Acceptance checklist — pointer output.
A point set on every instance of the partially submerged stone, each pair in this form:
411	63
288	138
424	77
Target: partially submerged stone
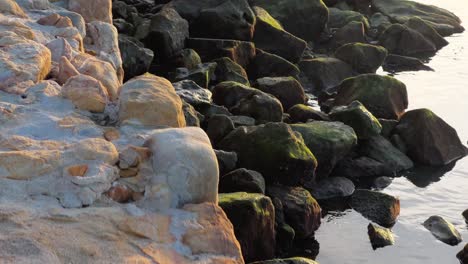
380	237
378	207
332	188
443	230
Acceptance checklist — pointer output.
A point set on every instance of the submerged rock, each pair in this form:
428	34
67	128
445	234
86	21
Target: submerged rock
397	63
253	218
379	207
380	237
429	139
463	255
443	230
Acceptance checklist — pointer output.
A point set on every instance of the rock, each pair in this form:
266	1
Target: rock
99	10
402	11
303	113
325	73
218	126
243	100
256	235
187	58
151	94
242	180
332	188
380	237
397	63
382	182
240	52
120	193
427	31
212	109
443	230
217	19
167	33
329	141
227	161
192	117
359	118
242	121
364	58
191	93
359	168
271	37
379	23
380	208
301	211
401	40
465	215
381	150
462	255
287	89
339	18
384	96
274	150
202	74
12	8
429	139
135	57
86	93
305	19
350	33
295	260
182	175
388	125
228	70
265	64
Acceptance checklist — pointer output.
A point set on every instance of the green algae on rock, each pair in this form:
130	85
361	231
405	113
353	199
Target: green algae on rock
364	58
355	115
380	237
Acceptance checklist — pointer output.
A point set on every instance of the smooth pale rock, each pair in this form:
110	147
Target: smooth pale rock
26	165
99	10
429	139
443	230
185	169
253	217
152	101
66	70
93	149
380	237
12	8
86	93
379	207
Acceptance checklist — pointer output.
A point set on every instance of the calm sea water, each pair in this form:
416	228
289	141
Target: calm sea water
343	236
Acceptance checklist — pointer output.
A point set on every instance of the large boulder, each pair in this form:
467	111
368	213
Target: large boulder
271	37
86	93
187	173
429	139
303	18
228	70
253	218
136	58
274	150
359	118
100	10
265	64
287	89
151	101
325	73
427	31
402	40
397	63
329	141
352	32
301	210
384	96
378	207
332	188
364	58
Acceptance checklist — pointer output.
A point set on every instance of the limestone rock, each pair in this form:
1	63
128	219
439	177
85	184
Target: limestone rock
86	93
99	10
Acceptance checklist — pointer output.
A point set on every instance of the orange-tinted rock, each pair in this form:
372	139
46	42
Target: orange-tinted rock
77	170
120	194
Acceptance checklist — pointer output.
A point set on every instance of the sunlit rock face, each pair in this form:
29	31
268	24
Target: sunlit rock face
68	171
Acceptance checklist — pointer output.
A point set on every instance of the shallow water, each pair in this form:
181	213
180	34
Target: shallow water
343	236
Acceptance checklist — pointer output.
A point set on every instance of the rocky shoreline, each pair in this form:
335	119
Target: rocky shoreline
210	131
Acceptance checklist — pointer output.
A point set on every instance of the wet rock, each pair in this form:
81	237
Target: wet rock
339	18
242	180
180	176
274	150
429	139
253	218
359	118
303	113
402	11
190	92
295	260
265	64
359	168
305	19
301	211
427	31
329	141
382	182
271	37
463	255
388	125
465	215
401	40
325	73
379	23
86	93
364	58
378	207
397	63
167	33
228	70
135	57
332	187
384	96
287	89
443	230
350	33
380	237
151	93
240	52
218	126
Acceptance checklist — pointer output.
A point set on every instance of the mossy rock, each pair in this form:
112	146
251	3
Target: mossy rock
380	237
429	139
378	207
274	150
287	89
329	141
339	18
301	113
325	73
427	31
384	96
402	40
265	17
228	70
253	218
364	58
355	115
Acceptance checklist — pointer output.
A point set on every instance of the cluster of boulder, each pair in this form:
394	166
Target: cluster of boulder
214	156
